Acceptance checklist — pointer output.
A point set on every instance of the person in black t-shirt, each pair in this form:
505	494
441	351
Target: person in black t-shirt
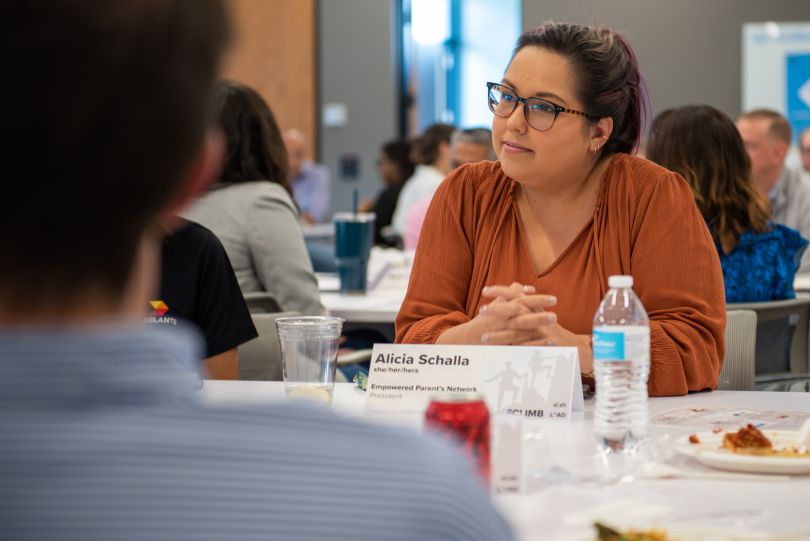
197	284
395	167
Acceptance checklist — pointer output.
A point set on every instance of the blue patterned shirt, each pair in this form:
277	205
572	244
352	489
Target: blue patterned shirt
102	437
763	265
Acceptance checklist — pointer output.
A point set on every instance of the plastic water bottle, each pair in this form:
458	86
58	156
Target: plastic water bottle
621	360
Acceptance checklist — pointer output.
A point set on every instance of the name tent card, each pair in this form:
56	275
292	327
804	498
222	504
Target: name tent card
531	382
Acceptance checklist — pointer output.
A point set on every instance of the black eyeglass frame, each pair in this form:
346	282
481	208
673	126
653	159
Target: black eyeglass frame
557	108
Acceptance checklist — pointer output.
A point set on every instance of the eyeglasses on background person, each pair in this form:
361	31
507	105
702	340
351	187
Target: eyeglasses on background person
540	113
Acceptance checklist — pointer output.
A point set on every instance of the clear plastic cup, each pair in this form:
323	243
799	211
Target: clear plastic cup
309	355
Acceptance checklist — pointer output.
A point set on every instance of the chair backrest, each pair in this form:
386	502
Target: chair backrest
782	338
261	302
260	359
738	366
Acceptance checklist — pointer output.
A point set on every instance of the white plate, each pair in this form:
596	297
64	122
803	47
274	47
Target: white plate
710	452
686	533
709	533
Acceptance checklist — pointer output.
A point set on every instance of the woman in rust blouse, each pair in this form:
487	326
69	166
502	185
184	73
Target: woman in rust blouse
518	251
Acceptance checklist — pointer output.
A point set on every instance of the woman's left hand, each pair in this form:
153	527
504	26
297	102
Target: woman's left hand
534	325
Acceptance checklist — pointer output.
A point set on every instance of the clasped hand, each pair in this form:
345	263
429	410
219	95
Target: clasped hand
517	315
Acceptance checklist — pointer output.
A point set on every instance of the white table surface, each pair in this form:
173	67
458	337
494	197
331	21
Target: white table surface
381	304
388	272
370	308
318	231
552	511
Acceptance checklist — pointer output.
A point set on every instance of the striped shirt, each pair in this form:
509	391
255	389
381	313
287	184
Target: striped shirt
102	437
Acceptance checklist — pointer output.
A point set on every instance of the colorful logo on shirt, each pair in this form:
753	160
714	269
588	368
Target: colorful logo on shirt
158	315
159	308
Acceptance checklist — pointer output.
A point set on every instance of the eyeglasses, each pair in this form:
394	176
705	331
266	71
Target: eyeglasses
540	114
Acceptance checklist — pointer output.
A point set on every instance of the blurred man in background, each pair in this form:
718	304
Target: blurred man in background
804	150
767	136
309	180
471	145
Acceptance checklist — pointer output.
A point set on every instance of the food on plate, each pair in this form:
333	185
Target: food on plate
748	440
606	533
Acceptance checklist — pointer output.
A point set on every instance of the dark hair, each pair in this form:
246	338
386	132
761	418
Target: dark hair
779	126
105	107
703	145
426	146
399	152
609	82
255	147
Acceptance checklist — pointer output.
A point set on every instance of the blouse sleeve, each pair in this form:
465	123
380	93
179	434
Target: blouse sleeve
679	280
437	297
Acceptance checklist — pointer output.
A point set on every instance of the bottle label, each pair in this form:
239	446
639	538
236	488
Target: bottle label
608	346
625	343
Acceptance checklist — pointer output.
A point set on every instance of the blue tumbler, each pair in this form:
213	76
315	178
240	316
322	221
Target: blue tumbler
354	236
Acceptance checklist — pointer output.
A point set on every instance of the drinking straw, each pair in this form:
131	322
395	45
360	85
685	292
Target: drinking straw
355	196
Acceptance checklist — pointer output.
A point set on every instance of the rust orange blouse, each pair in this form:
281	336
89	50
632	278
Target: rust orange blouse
645	224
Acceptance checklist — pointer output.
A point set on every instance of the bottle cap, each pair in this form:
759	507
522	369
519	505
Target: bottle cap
620	281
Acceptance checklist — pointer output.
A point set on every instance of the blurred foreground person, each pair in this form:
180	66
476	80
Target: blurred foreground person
103	433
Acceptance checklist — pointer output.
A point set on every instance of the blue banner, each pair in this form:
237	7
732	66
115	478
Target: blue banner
798	92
